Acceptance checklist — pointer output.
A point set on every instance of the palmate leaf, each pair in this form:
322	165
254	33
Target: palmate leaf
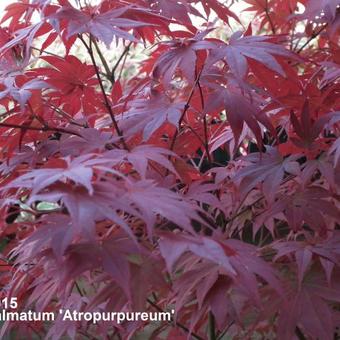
322	12
298	205
182	55
332	73
89	141
73	82
305	252
268	168
148	115
104	26
240	110
222	11
174	9
107	200
141	156
236	258
309	308
262	49
308	129
212	268
78	170
335	149
279	11
23	35
9	62
85	210
113	256
324	166
181	10
54	232
21	94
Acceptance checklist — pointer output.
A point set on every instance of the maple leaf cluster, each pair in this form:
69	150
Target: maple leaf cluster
206	182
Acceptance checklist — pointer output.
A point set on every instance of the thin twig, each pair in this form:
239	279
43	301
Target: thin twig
64	114
173	322
186	108
103	60
211	327
114	68
224	332
269	18
42	129
78	288
205	124
106	100
312	37
239	213
194	132
299	333
44	51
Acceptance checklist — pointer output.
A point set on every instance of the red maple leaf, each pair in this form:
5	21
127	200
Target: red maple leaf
262	49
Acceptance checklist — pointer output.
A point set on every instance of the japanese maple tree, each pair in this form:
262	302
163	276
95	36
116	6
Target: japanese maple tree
181	155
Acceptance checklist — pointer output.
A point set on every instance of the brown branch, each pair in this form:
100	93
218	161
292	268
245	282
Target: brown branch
108	74
212	327
44	51
64	114
106	100
114	69
205	123
194	132
42	129
186	108
269	18
312	37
